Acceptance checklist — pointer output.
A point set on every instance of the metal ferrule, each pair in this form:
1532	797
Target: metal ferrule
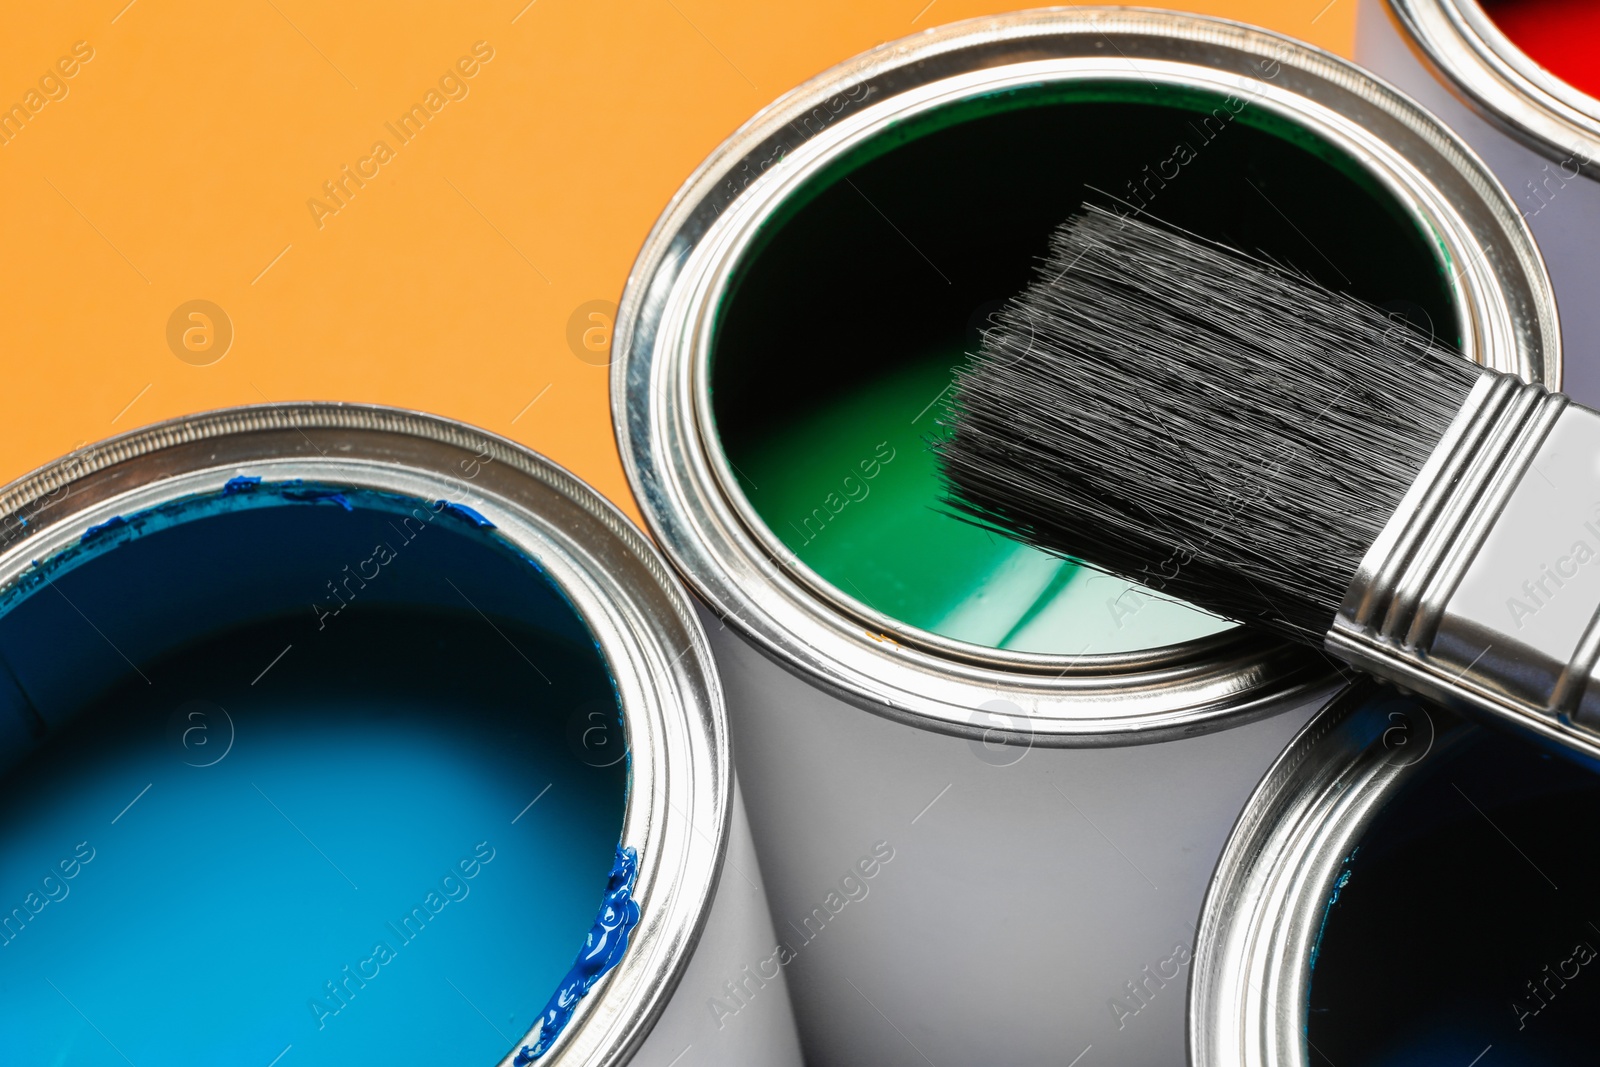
1483	590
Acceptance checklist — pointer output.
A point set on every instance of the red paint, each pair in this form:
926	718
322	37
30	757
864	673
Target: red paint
1562	36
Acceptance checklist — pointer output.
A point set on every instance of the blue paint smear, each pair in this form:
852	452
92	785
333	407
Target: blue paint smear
240	484
1338	887
116	522
602	950
464	512
313	495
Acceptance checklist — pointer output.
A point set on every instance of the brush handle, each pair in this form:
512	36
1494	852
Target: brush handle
1483	590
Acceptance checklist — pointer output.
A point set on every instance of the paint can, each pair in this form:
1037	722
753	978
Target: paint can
337	645
989	789
1538	133
1392	835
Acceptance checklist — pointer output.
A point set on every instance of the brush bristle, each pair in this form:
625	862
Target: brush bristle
1205	424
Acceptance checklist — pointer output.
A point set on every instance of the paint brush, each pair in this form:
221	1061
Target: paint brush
1229	433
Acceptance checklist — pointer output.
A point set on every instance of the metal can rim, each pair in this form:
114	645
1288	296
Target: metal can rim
1462	42
1251	980
679	802
662	330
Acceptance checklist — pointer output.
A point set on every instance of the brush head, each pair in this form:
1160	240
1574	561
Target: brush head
1206	424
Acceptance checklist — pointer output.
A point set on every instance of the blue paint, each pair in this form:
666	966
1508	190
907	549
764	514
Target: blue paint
602	950
1344	880
246	493
1455	938
1333	898
197	924
462	511
116	522
312	494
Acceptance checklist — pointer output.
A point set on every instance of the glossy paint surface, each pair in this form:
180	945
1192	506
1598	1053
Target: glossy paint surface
337	823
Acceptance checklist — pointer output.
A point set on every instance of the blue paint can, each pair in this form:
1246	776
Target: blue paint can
1393	836
333	733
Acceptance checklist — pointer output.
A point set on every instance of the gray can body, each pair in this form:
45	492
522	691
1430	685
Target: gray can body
738	935
1040	904
1550	172
975	854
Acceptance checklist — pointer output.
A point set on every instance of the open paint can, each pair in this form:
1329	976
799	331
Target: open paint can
340	734
1404	888
1518	80
988	786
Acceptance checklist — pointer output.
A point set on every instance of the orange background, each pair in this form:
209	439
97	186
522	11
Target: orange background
179	164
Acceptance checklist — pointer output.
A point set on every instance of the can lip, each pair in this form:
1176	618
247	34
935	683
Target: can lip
661	344
1507	85
1250	987
679	803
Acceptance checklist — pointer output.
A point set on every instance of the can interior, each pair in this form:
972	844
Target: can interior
1559	35
1463	919
266	764
838	334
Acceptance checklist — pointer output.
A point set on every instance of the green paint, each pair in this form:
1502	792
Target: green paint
846	316
853	491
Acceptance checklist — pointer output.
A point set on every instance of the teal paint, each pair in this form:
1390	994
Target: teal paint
257	832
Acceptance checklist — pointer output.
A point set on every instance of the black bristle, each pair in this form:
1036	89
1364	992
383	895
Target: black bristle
1203	423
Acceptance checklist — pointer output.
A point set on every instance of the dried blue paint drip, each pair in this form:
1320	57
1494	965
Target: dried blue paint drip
291	490
464	512
602	950
295	490
239	493
1338	887
113	523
